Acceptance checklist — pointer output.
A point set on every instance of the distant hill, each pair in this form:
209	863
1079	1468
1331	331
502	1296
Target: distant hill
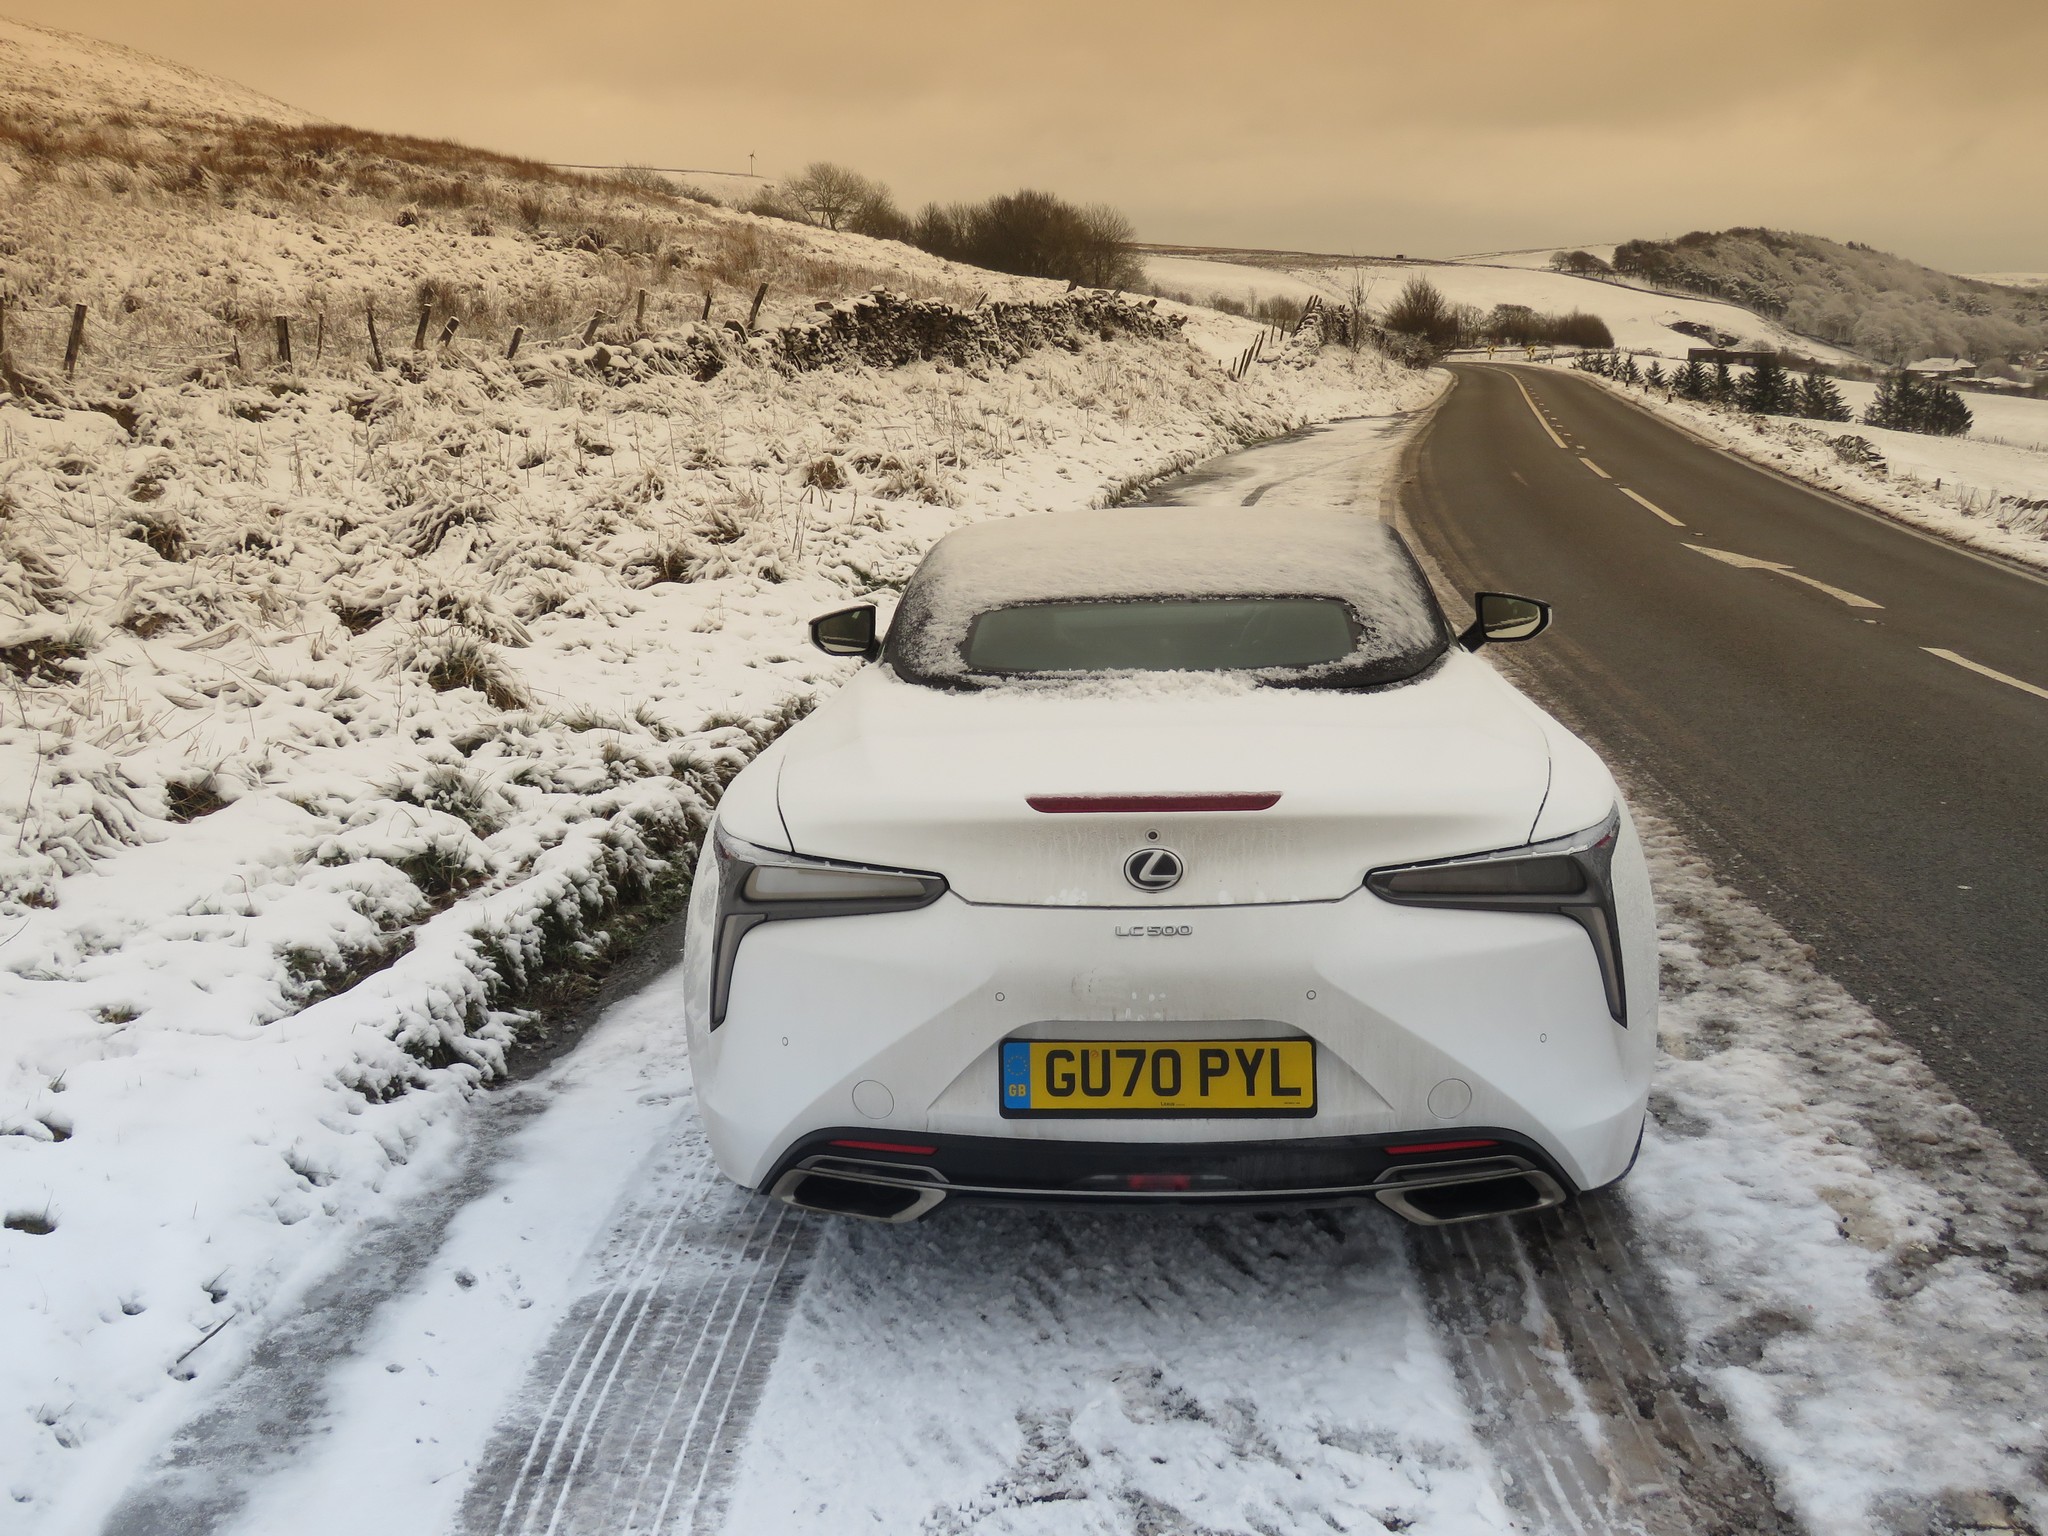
1879	304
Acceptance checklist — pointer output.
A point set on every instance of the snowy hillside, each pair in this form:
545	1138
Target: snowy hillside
49	77
1640	320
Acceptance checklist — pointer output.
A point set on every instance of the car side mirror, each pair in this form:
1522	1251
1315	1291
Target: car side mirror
847	632
1501	616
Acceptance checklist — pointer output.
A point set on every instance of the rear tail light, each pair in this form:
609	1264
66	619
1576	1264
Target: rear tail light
1569	876
761	885
1437	1146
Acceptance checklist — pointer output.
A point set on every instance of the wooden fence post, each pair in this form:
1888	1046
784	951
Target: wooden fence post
640	311
518	335
76	340
284	340
754	314
320	336
590	330
448	330
419	337
707	305
376	347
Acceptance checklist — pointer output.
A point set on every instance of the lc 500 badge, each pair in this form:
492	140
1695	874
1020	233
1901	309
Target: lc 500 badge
1165	932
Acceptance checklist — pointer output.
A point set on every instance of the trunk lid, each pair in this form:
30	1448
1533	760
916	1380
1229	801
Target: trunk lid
896	774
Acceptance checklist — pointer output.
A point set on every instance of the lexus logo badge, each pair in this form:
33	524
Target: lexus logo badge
1154	869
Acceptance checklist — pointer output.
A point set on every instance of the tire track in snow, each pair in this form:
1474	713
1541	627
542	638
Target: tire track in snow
1570	1359
635	1408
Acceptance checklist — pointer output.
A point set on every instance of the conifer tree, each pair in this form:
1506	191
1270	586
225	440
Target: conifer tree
1897	404
1654	376
1627	372
1691	382
1723	387
1942	411
1819	400
1766	390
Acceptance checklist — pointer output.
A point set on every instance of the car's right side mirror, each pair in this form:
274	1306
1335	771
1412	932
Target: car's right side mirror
1501	616
847	632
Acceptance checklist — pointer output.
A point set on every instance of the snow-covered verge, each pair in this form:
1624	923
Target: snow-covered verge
341	715
1991	495
1861	1264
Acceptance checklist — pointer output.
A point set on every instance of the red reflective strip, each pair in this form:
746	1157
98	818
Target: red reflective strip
1072	805
1159	1181
887	1146
1440	1146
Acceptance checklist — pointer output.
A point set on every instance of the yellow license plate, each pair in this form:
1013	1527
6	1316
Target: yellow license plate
1159	1077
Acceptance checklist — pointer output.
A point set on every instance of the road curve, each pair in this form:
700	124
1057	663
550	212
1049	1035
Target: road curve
1850	717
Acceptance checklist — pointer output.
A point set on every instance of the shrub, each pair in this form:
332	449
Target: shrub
1035	234
1420	310
462	660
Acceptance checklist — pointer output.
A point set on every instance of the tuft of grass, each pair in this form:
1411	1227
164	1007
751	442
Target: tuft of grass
190	798
158	527
462	660
48	658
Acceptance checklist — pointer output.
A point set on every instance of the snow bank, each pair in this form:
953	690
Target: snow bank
339	715
1988	489
1859	1261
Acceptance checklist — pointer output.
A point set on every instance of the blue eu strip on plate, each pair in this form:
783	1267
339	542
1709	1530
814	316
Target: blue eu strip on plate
1016	1074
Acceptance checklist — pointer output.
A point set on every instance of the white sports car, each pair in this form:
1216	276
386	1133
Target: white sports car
1173	855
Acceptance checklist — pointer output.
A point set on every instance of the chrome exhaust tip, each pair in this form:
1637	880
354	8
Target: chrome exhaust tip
841	1191
1438	1197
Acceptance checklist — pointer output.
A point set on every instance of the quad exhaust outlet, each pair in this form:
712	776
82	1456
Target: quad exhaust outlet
1433	1195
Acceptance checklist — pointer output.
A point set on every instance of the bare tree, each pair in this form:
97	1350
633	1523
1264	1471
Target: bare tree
831	194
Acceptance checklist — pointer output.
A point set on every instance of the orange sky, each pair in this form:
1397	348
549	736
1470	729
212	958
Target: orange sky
1432	127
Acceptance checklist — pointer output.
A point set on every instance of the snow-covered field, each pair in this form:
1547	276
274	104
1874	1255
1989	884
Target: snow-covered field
1639	319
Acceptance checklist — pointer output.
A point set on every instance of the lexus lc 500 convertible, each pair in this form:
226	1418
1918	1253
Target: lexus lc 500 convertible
1173	855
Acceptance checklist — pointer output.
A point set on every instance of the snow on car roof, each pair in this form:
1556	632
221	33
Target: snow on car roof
1173	552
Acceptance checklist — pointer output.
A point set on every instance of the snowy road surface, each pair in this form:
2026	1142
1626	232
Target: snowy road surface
1778	1325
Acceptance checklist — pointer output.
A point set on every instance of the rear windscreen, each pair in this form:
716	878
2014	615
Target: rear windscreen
1217	634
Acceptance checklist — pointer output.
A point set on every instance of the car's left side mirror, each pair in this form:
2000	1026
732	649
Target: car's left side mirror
1501	616
847	632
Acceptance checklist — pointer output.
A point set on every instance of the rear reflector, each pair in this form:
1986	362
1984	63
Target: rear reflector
1075	805
1428	1146
1159	1182
889	1146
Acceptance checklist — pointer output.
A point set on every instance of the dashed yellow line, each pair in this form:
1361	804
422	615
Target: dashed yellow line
1644	501
1991	672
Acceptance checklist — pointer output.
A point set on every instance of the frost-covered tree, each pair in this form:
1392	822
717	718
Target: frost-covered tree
1654	377
1692	382
1628	372
1721	389
1820	400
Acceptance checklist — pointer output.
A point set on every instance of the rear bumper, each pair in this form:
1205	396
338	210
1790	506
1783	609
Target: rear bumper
1467	1174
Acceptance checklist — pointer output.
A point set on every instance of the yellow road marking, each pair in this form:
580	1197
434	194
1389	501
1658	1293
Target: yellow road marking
1750	562
1991	672
1595	468
1533	411
1645	501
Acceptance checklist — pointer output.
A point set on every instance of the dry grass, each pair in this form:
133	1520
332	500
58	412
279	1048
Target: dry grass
186	240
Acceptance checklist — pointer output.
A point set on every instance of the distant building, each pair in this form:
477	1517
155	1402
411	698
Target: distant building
1712	355
1942	368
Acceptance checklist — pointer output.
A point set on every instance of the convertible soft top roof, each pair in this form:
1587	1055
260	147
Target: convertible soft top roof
1174	552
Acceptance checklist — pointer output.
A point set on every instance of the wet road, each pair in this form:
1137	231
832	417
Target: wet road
1850	717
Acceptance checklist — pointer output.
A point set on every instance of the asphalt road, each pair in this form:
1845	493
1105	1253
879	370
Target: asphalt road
1800	682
